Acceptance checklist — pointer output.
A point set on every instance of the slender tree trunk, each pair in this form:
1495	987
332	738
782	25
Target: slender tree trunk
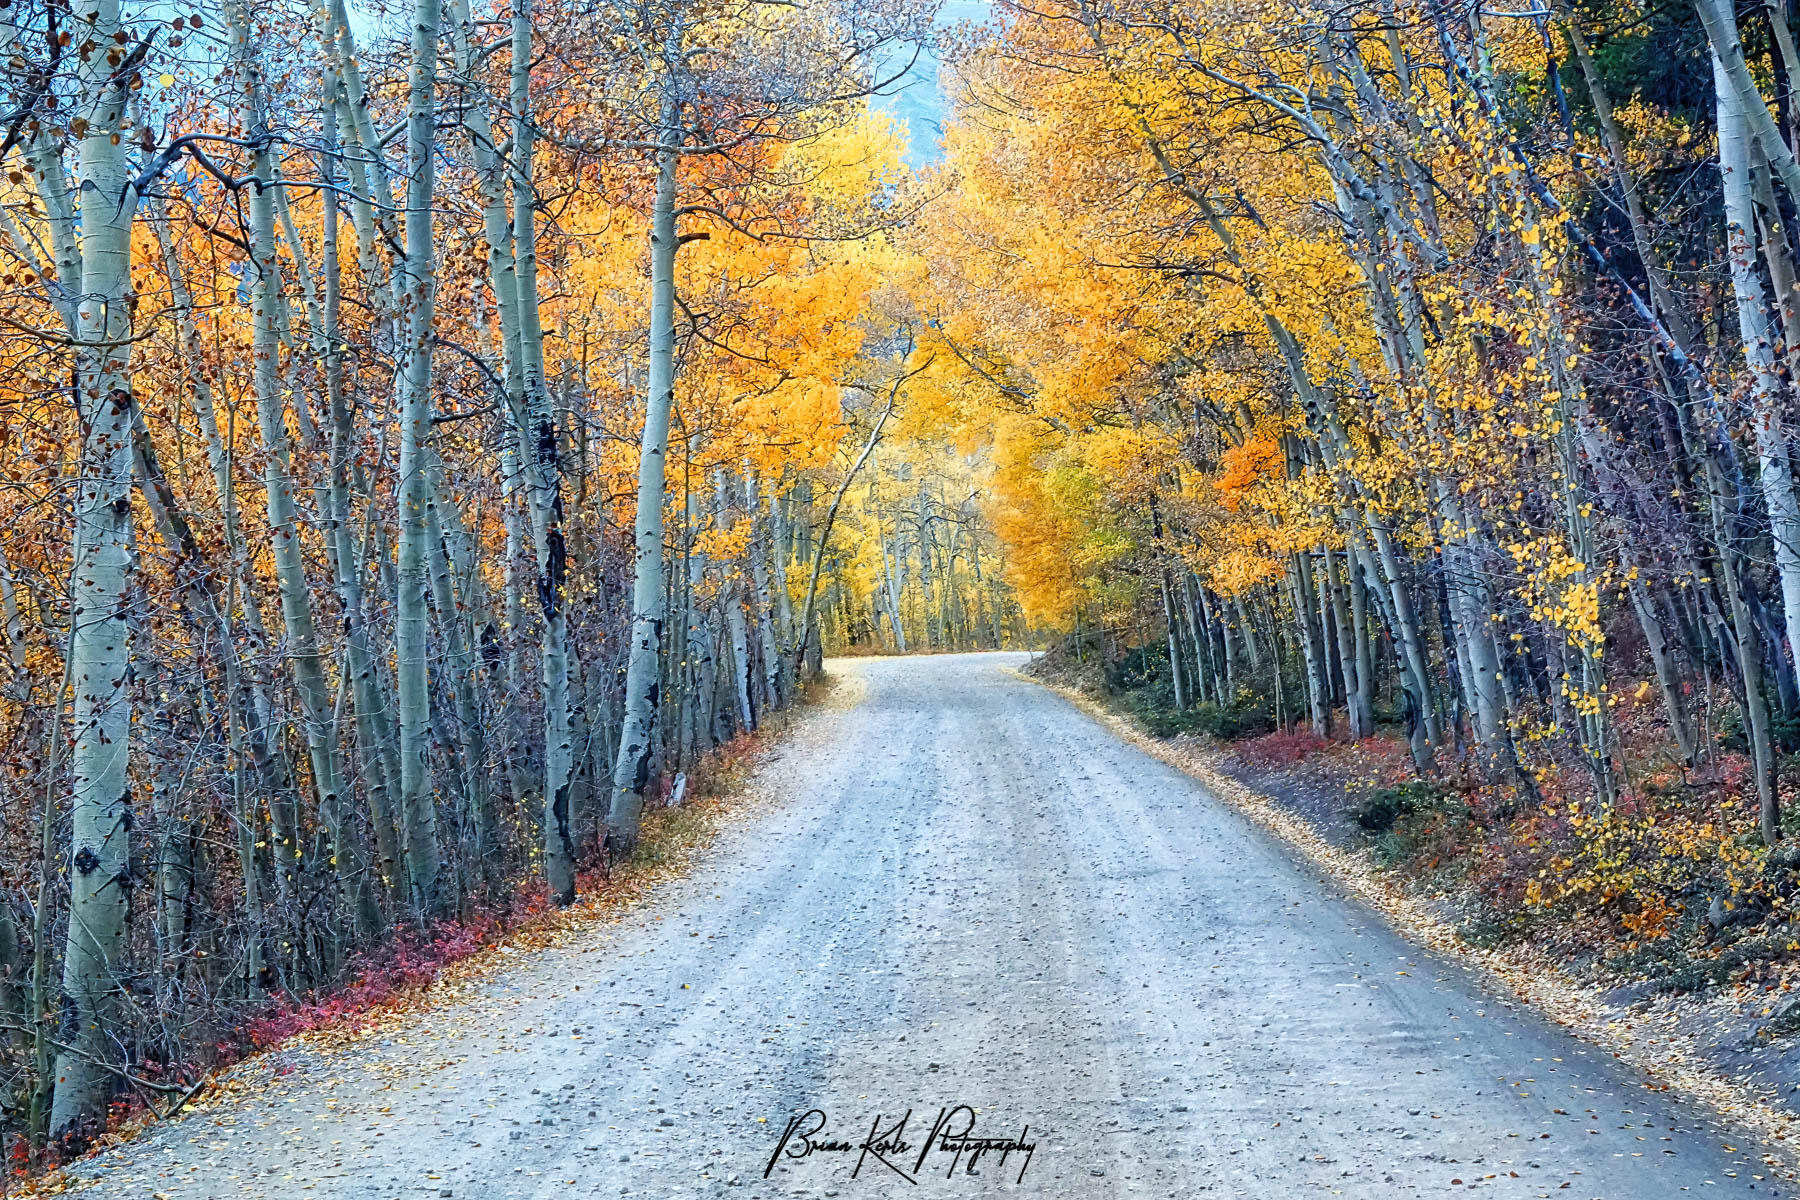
1362	703
698	647
1759	350
1172	635
1667	680
782	552
1312	655
517	452
760	550
823	538
539	442
412	618
731	595
99	666
1658	279
376	751
1731	73
637	738
889	589
1756	709
304	657
459	659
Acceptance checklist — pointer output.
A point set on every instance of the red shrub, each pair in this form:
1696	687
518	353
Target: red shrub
1282	749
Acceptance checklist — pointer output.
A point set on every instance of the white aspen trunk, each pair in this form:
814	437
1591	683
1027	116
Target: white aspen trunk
1312	655
1362	699
993	604
718	717
889	589
1212	611
1456	644
1246	633
368	169
637	736
1426	734
1171	624
1399	323
1395	594
1756	711
807	633
961	618
1759	352
1207	673
1172	635
1732	78
43	148
539	444
99	665
680	701
272	772
370	202
698	642
738	627
243	808
200	594
781	551
1387	587
731	595
517	454
512	498
759	552
1771	427
459	656
418	803
927	576
374	729
1332	615
1475	632
305	662
705	676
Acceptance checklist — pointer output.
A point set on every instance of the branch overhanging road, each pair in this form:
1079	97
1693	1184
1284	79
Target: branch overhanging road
967	893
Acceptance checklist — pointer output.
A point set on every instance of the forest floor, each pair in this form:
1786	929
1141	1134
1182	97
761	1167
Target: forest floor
955	888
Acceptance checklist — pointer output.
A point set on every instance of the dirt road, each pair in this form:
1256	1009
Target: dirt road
968	894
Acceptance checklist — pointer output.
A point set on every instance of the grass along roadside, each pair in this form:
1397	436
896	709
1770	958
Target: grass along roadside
1657	1038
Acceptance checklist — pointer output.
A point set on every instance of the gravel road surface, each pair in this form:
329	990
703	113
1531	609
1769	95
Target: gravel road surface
966	893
